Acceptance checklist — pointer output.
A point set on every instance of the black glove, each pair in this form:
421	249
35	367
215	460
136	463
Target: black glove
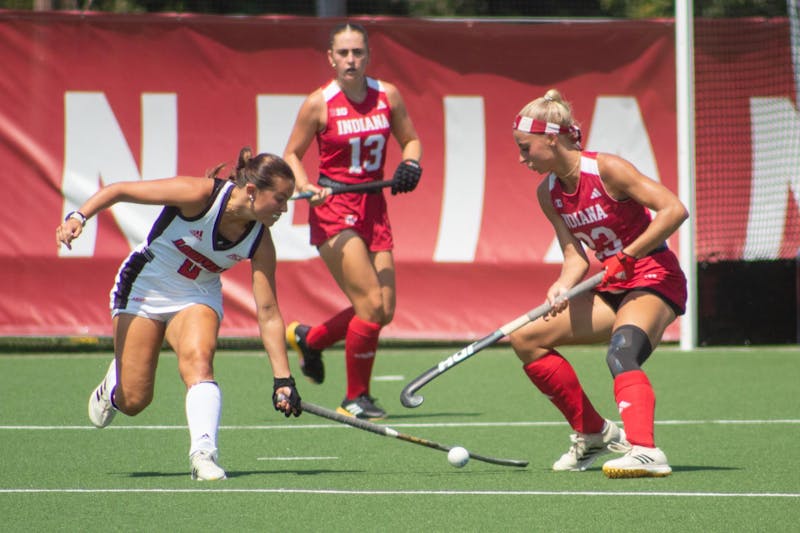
406	176
293	399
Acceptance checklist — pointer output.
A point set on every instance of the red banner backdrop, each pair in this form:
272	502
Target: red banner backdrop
92	99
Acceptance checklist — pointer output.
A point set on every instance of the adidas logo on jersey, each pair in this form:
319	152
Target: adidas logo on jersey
340	112
235	257
197	234
381	105
595	194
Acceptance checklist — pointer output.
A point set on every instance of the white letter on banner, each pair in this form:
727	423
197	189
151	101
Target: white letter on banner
617	128
776	159
464	179
276	115
95	150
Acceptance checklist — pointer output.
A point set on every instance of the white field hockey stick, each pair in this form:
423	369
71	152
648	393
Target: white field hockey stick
407	396
355	187
389	432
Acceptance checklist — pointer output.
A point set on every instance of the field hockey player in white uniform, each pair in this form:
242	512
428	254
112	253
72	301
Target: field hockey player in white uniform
169	288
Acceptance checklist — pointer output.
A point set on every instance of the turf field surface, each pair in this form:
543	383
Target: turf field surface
728	419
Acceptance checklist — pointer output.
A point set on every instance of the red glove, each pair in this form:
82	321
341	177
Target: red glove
618	268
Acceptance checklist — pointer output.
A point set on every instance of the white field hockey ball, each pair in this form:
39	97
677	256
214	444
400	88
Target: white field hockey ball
458	456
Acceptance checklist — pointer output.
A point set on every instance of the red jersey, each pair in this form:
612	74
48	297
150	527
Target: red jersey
607	225
352	147
604	224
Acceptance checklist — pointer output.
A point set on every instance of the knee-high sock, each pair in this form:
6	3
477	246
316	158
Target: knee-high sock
203	407
331	331
111	382
555	377
637	404
359	351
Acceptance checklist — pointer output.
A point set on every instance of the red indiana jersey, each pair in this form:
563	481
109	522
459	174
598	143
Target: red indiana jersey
607	225
604	224
352	147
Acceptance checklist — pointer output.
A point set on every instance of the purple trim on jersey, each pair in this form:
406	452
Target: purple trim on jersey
127	276
257	242
226	245
169	213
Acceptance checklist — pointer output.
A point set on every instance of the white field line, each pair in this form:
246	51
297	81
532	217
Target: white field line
415	492
784	421
304	458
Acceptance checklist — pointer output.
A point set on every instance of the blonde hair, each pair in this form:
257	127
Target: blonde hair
549	108
552	108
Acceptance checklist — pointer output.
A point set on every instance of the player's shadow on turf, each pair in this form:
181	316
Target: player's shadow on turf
244	473
689	468
154	474
393	416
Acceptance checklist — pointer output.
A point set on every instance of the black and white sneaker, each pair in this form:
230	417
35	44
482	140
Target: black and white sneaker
362	407
587	447
101	410
310	359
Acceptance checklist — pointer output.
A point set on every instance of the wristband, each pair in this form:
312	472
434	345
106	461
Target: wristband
277	383
77	215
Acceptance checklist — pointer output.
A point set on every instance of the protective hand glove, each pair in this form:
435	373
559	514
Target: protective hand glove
406	176
618	268
293	398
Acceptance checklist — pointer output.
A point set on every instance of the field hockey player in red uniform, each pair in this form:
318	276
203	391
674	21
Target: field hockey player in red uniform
601	201
352	118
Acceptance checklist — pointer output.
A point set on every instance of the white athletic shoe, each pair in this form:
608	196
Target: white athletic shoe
205	467
101	410
638	462
587	447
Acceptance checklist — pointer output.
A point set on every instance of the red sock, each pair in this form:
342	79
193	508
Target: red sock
359	353
637	403
556	378
331	331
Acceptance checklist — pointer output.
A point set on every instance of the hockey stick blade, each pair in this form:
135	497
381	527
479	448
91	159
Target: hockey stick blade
408	396
368	186
389	432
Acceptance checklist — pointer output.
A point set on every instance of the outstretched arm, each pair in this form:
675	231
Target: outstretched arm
189	194
272	328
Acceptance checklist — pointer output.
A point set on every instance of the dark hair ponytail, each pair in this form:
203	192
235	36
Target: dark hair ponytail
260	170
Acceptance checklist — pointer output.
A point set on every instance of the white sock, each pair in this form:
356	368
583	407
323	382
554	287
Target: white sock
111	381
203	407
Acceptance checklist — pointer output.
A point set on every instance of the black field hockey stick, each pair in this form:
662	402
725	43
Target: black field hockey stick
389	432
408	397
369	186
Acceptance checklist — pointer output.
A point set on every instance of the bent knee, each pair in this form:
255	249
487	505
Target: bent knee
375	310
528	348
132	404
385	318
628	350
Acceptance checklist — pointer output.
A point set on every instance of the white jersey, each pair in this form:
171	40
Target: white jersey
181	261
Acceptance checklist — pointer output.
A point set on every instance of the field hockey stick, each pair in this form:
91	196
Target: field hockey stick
389	432
408	397
355	187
